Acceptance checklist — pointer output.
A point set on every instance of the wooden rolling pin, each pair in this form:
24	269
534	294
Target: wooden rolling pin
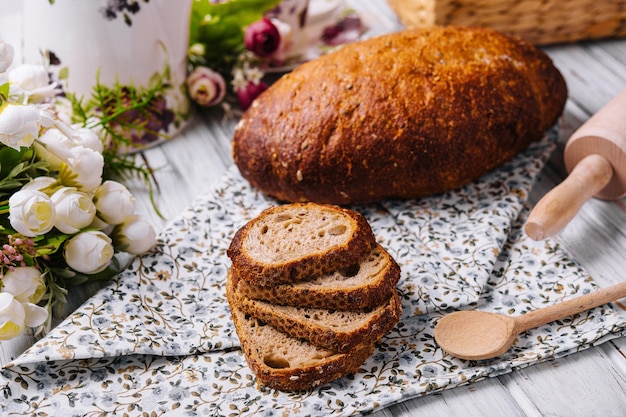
595	158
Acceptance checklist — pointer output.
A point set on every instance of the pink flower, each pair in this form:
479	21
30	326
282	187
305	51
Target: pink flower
247	94
262	37
206	87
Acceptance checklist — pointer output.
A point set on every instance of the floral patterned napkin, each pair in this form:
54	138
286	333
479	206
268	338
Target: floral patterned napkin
160	337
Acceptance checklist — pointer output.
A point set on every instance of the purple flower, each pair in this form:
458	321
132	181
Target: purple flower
346	30
262	37
247	94
206	87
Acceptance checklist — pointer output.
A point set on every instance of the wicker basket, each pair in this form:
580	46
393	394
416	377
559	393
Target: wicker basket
538	21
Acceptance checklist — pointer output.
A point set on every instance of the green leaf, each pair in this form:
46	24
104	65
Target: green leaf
64	73
4	91
17	168
9	158
50	243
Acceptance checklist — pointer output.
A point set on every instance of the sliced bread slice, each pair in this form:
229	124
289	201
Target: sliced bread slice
340	331
292	242
282	362
366	284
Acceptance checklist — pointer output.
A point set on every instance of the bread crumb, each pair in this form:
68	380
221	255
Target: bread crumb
299	175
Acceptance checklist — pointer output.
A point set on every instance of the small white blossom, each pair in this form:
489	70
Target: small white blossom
54	147
88	252
86	167
135	235
114	202
63	109
15	316
74	210
87	138
30	83
252	74
25	283
40	183
6	55
31	213
20	125
239	79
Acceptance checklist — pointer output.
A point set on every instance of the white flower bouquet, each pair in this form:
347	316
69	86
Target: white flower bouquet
63	219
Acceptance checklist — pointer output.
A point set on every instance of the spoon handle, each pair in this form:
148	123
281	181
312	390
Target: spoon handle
568	308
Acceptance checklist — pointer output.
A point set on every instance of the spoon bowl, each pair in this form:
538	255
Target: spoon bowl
477	335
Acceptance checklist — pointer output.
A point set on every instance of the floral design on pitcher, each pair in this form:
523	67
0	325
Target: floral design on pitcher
141	126
124	7
136	116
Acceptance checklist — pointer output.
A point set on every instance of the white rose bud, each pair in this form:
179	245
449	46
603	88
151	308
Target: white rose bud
87	166
88	252
88	138
25	283
12	317
15	316
74	210
31	82
54	147
6	55
31	213
19	125
40	183
135	235
114	202
29	76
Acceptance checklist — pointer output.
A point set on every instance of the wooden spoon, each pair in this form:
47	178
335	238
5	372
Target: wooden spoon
476	335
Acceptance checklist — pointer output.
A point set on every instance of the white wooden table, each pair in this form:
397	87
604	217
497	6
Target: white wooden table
589	383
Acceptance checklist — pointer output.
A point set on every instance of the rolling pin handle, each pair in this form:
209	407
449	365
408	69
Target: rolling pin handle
555	210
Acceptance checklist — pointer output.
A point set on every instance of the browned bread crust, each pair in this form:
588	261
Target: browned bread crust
291	242
273	356
374	280
402	115
339	331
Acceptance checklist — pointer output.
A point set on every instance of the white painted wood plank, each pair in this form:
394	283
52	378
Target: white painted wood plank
580	385
615	352
590	82
487	398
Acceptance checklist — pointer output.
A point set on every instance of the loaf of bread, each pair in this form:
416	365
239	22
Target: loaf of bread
366	284
288	243
402	115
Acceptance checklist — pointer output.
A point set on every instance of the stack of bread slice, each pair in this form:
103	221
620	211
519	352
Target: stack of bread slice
311	292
